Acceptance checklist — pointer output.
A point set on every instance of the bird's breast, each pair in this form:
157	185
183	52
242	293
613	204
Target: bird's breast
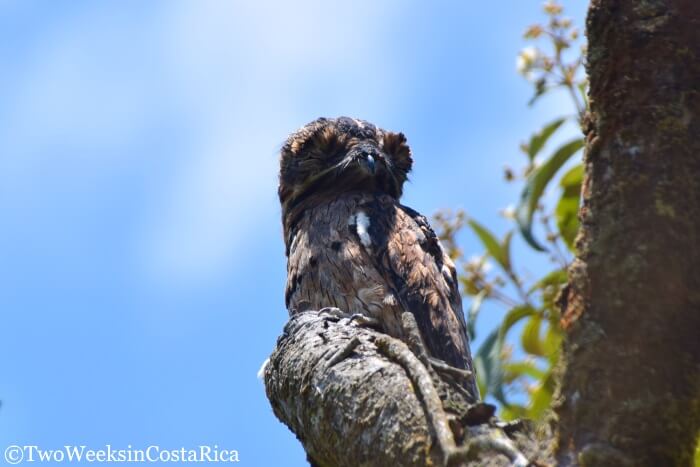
333	262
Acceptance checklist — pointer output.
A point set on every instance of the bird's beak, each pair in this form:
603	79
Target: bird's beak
365	160
369	162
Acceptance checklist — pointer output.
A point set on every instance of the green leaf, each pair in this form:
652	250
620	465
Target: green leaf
552	342
550	286
513	316
541	398
498	251
530	338
557	277
505	248
582	88
517	369
573	178
481	382
474	309
513	412
535	186
488	362
538	140
566	212
488	366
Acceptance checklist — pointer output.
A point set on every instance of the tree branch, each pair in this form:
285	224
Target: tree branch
354	396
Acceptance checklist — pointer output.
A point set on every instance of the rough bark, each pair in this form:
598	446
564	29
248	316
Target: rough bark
631	379
357	397
336	411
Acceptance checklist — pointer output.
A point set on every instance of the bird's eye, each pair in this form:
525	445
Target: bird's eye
335	156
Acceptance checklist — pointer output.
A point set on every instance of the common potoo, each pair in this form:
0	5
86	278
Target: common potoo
353	246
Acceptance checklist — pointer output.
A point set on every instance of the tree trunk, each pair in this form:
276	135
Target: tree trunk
630	392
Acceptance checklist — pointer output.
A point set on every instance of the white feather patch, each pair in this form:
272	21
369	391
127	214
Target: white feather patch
261	371
390	300
363	228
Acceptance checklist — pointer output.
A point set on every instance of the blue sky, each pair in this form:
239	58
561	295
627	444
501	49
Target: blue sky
141	260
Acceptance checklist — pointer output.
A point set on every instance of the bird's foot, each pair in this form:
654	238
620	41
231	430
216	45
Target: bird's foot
365	321
334	312
358	319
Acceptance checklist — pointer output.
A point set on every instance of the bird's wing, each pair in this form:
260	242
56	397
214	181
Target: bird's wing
426	281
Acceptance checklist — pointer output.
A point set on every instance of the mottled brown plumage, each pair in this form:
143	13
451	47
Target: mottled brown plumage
352	245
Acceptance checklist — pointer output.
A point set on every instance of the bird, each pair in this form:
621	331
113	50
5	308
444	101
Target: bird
351	245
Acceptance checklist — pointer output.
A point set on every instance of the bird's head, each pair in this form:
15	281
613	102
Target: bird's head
332	156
